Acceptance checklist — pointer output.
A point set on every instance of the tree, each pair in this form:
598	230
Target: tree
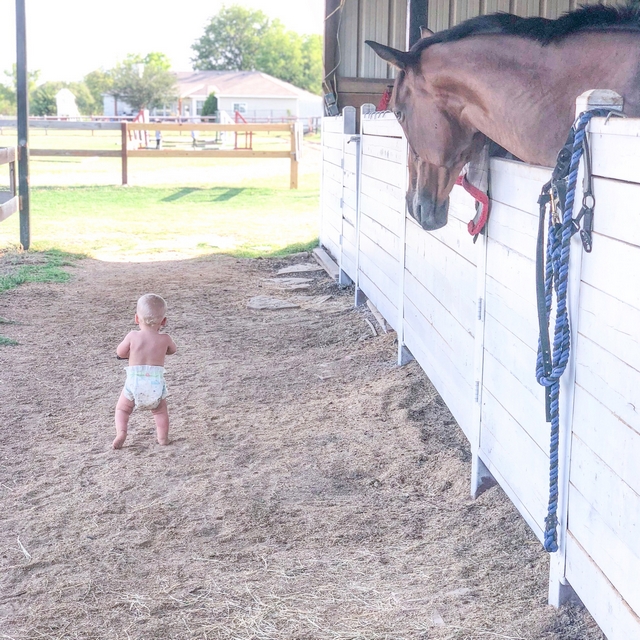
231	40
8	93
240	39
144	83
210	106
99	83
43	99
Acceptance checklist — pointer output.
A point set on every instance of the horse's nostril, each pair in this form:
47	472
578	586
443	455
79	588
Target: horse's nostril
419	212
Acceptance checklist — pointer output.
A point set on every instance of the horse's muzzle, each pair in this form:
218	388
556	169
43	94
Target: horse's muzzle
425	210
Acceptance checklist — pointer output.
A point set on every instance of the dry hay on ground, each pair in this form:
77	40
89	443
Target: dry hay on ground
313	489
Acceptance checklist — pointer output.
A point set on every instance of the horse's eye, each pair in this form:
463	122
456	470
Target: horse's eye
399	115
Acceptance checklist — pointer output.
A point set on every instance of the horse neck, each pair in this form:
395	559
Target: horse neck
518	93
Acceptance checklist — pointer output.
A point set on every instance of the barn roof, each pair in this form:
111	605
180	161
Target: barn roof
236	84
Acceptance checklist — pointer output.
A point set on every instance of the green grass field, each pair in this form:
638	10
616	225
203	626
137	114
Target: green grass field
176	208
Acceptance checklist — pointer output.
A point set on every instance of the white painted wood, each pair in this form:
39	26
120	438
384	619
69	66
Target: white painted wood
524	405
617	212
389	149
376	294
616	502
612	324
616	443
381	124
613	382
480	475
617	562
615	148
614	616
385	239
517	184
428	351
455	340
383	171
382	263
391	196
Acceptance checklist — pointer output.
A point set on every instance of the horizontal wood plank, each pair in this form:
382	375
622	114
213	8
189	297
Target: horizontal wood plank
207	153
81	153
430	353
613	615
616	503
616	561
384	171
9	207
381	124
381	300
611	381
381	267
8	154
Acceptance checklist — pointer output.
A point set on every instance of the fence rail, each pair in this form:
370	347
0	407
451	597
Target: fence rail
125	127
9	201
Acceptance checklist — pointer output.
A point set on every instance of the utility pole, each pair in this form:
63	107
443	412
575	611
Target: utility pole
22	88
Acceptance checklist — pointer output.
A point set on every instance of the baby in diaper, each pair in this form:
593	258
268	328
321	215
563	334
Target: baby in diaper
145	387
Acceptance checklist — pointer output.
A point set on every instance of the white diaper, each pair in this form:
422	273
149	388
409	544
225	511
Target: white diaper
145	385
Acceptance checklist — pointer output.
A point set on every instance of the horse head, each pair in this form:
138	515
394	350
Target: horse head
440	143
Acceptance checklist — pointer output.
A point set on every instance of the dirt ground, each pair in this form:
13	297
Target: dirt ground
313	489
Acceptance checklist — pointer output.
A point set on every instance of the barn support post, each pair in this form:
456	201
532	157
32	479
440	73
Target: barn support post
124	156
481	478
360	298
560	591
22	89
404	355
348	130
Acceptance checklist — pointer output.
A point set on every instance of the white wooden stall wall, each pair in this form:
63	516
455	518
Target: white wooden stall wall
339	195
603	541
382	213
467	312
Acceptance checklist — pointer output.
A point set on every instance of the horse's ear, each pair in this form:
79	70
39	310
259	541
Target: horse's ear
425	32
399	59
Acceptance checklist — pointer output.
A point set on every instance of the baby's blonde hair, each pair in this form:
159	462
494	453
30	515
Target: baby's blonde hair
151	309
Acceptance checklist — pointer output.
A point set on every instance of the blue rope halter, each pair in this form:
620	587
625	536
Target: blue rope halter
551	366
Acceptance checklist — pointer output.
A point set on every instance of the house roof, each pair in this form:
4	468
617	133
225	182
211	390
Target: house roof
236	84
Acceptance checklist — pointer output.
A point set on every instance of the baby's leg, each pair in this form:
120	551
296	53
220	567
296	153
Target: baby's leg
161	416
124	409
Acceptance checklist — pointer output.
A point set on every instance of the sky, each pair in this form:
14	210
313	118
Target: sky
66	39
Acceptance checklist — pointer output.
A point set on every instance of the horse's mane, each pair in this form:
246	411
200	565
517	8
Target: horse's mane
587	18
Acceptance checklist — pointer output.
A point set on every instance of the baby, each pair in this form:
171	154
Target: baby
145	387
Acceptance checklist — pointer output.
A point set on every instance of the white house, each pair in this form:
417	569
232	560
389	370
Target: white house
253	94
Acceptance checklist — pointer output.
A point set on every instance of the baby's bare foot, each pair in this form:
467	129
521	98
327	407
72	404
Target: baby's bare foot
163	441
119	441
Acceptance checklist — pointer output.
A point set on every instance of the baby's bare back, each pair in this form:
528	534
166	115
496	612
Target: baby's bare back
149	347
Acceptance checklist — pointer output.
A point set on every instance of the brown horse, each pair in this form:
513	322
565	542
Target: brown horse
508	79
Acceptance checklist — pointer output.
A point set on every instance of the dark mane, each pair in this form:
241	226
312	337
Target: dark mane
543	30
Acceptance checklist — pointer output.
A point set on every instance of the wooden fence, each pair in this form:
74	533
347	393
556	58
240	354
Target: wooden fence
467	313
9	201
126	151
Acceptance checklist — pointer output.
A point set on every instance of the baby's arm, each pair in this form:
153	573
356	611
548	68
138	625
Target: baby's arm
171	346
124	348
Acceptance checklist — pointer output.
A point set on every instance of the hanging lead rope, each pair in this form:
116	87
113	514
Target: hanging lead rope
559	194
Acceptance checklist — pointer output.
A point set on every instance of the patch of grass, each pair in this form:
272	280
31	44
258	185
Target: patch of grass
7	342
19	267
129	223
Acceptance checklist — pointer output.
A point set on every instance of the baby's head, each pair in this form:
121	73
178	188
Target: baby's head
151	310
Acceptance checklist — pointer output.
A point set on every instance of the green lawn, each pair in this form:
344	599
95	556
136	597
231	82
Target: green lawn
175	207
131	223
